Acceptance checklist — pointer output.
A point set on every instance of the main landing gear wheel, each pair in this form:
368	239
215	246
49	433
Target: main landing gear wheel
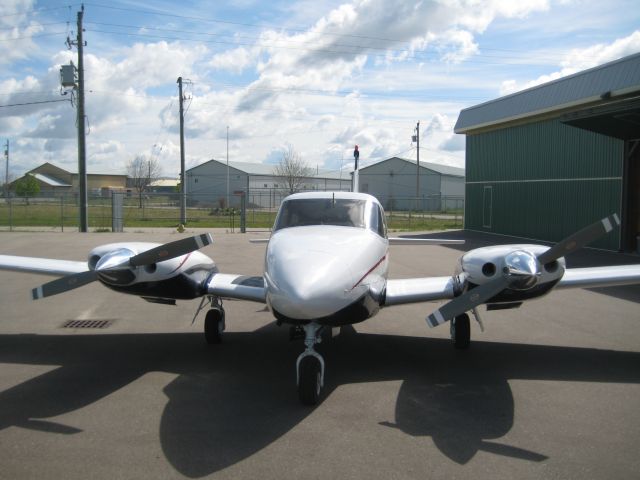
310	367
214	325
461	331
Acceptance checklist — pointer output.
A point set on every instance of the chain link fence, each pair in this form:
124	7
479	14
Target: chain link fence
163	210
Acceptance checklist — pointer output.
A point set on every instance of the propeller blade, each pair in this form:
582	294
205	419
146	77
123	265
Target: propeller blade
170	250
64	284
580	239
468	301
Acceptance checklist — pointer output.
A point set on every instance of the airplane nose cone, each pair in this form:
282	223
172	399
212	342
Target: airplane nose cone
305	284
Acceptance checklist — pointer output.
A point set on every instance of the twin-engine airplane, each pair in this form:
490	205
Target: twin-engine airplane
326	265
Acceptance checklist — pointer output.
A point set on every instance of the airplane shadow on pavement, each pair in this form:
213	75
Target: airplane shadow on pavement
232	400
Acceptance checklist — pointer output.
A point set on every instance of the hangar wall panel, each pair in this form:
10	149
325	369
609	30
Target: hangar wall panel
542	181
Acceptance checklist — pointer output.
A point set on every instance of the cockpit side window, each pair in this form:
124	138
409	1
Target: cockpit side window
321	211
376	220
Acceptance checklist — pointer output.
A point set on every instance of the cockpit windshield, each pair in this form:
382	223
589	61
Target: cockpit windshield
321	211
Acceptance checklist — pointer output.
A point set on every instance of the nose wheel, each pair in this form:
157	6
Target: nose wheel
310	367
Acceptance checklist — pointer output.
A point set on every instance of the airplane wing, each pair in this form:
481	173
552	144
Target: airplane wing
241	287
424	241
600	276
412	290
45	266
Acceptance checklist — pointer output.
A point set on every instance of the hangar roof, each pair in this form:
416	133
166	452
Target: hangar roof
264	169
595	85
54	182
436	167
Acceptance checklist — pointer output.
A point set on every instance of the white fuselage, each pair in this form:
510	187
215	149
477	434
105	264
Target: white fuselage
326	273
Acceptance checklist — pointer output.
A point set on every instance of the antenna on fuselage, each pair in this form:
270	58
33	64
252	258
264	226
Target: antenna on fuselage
356	156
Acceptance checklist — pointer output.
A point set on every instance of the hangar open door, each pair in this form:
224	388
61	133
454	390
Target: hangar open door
620	119
631	200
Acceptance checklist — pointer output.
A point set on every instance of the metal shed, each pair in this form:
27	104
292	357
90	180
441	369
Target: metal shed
207	183
546	161
394	183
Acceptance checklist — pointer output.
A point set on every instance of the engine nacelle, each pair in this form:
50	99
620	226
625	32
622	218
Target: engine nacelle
181	277
529	278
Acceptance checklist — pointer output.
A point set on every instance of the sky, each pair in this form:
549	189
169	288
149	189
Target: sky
319	76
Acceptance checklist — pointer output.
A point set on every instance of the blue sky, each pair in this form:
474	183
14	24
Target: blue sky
318	75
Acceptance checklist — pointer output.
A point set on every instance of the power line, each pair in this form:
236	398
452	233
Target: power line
244	44
273	26
33	12
28	37
34	103
36	25
209	34
358	49
515	53
242	24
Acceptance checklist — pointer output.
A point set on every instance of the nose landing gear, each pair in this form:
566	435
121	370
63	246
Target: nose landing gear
310	367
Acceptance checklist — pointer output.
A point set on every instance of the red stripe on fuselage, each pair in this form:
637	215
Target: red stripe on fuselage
370	270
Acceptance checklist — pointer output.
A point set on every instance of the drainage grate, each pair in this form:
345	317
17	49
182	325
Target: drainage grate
87	324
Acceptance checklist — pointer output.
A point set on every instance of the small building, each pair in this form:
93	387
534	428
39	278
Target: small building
56	181
207	184
394	183
165	185
545	162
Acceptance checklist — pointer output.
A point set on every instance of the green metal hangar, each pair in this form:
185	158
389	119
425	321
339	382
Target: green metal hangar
544	162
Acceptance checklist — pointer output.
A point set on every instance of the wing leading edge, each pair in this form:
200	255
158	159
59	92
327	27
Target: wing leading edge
413	290
240	287
600	276
45	266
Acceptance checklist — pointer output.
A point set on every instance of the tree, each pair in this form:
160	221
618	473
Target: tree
293	170
27	187
143	172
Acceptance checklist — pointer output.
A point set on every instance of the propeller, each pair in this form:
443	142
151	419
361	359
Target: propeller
64	284
118	260
580	239
521	271
170	250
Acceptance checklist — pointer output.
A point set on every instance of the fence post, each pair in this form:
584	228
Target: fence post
10	216
62	213
243	213
117	202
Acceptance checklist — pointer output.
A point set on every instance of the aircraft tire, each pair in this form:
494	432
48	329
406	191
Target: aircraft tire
461	331
214	326
309	385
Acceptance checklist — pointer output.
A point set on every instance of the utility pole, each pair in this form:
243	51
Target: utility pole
227	166
418	166
183	179
6	175
83	223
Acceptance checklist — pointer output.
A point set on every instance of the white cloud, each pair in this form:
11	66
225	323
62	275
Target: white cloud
236	60
581	59
363	72
338	46
455	143
15	30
